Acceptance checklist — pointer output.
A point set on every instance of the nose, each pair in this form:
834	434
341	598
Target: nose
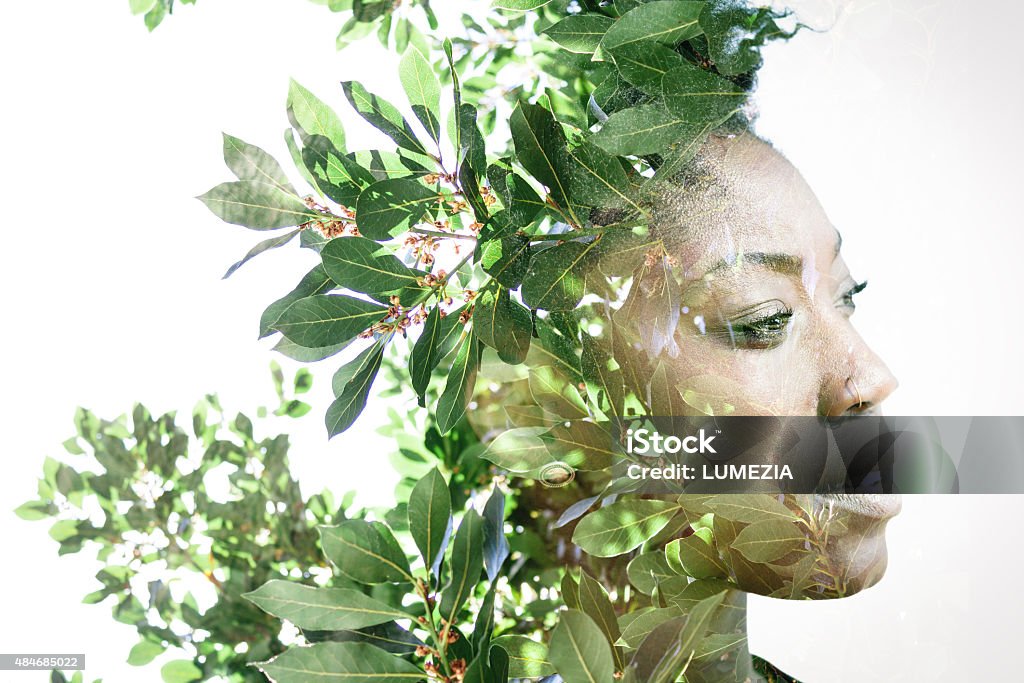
859	383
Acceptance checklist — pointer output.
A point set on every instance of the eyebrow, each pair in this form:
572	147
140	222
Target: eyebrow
787	264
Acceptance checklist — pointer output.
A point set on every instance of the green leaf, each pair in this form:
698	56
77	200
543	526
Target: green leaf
141	6
144	652
695	556
313	282
520	200
622	526
337	175
735	34
556	278
653	307
311	117
664	21
472	148
256	205
645	129
520	5
604	381
423	90
550	391
540	144
390	207
598	179
383	115
265	245
385	165
389	637
72	447
155	16
363	265
296	155
327	319
644	64
451	406
366	552
679	154
695	94
466	563
503	325
526	658
303	381
473	163
584	445
665	399
520	450
581	33
347	372
430	518
434	343
578	650
324	609
496	547
35	510
290	349
506	259
483	627
569	589
557	350
249	162
595	603
353	29
180	671
63	529
498	665
639	628
750	508
669	648
768	541
647	570
351	396
340	663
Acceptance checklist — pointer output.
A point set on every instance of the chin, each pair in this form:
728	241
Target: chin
857	548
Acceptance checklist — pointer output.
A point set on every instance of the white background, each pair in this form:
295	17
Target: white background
904	117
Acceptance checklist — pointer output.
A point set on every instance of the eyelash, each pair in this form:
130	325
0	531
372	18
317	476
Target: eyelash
846	300
764	332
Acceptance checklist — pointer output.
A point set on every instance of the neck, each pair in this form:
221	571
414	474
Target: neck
724	656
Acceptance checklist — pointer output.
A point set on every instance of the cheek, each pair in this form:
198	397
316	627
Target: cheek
781	381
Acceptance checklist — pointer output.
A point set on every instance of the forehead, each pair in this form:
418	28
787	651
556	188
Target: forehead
741	197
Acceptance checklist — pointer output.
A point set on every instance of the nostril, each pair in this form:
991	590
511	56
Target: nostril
854	390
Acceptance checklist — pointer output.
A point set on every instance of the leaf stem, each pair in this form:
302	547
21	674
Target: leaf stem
440	646
439	233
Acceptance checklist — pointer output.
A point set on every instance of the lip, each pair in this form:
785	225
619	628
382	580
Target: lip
879	506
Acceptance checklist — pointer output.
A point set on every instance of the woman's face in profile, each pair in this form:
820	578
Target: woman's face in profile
766	323
767	296
765	328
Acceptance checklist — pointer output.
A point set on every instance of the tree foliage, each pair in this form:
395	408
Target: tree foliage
362	18
628	93
187	517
